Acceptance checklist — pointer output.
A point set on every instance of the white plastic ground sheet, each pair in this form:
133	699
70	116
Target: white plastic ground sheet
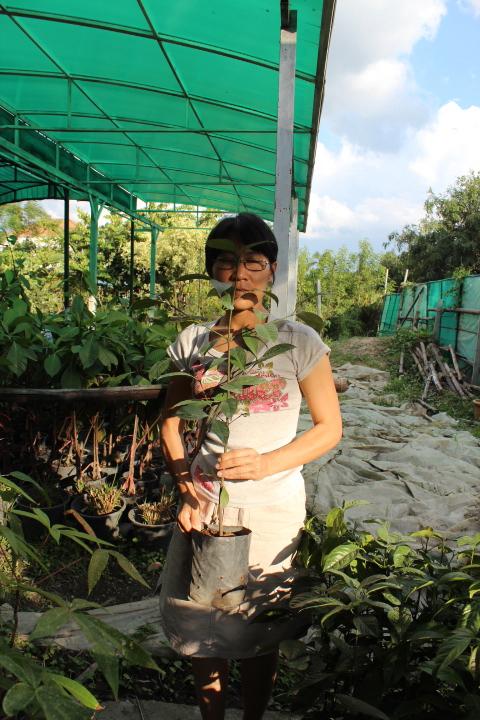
414	471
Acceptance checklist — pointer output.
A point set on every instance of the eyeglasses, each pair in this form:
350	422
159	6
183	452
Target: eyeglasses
229	263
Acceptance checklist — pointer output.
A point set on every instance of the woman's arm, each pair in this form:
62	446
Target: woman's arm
175	454
319	391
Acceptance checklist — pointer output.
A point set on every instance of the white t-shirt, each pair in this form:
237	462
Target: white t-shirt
267	414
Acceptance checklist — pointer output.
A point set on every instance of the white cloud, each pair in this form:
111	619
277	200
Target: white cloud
371	95
360	193
448	147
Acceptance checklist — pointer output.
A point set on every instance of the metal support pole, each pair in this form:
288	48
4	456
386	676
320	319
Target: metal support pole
132	260
476	362
319	296
95	210
292	260
285	286
66	249
153	260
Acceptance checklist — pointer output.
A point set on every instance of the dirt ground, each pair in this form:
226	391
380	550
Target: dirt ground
370	351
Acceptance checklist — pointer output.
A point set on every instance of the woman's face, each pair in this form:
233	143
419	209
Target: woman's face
251	273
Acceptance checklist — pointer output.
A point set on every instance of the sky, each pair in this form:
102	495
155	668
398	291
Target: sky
401	115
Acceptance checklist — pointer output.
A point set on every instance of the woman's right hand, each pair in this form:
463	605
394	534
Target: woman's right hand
188	517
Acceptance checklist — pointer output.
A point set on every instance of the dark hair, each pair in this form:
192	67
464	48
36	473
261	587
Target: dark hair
246	229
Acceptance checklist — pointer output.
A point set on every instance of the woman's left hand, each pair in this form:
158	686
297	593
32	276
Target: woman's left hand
243	464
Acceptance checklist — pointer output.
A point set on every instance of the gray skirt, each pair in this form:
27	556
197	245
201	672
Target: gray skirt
198	631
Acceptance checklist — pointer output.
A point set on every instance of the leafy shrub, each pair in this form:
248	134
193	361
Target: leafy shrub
395	623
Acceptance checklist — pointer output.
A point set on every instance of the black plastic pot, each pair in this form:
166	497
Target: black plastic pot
150	533
33	530
104	526
220	567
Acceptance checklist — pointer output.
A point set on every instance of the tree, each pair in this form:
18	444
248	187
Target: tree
351	288
447	237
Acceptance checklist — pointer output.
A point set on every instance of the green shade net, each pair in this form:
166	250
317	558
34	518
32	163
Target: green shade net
173	102
460	330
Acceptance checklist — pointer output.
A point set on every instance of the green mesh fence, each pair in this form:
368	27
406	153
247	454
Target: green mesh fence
415	306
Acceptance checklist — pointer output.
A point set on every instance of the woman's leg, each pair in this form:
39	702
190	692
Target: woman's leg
211	678
258	678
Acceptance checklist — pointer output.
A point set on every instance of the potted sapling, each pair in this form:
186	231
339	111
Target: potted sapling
100	508
154	519
220	553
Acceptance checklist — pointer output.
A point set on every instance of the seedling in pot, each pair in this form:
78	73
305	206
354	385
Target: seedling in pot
104	499
160	511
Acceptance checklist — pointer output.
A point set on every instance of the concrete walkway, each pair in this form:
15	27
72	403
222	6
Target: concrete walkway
152	710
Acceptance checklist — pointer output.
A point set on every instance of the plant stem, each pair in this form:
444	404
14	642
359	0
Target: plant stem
221	510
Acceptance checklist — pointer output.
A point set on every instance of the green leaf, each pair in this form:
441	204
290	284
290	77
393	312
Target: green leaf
51	621
252	343
340	557
21	666
359	707
89	351
74	688
56	705
52	365
71	379
228	407
224	498
109	666
17	359
311	319
367	625
272	352
400	555
16	489
221	429
267	332
238	358
96	566
107	357
17	698
128	567
453	646
221	244
190	412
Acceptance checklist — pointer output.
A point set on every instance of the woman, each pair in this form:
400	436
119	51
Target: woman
261	470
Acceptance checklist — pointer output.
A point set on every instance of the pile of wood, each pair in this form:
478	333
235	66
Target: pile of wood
436	371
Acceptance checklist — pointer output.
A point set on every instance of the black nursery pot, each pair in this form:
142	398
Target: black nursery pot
150	533
220	567
104	526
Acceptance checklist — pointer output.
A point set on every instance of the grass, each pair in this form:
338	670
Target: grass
369	351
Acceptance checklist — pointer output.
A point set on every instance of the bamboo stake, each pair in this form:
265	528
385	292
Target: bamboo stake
424	353
417	363
455	362
426	387
436	380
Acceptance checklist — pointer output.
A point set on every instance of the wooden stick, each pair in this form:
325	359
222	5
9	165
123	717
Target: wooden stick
424	353
427	385
455	382
400	367
455	362
436	380
427	406
451	380
419	355
417	363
